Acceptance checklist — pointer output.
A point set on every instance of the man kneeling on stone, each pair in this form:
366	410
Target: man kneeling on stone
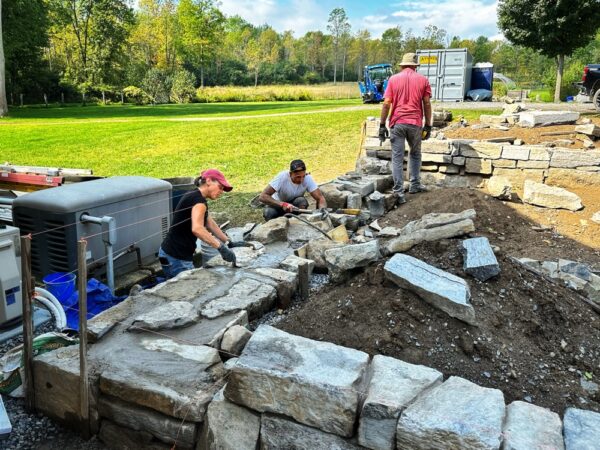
286	192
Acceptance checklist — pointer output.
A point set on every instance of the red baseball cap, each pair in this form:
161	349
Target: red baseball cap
217	175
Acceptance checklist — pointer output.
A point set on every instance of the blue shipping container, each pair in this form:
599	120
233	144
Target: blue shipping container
482	76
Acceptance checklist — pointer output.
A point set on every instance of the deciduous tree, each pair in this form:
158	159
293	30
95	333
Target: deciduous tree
554	27
3	104
338	26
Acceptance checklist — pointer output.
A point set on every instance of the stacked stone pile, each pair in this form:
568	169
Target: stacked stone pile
286	391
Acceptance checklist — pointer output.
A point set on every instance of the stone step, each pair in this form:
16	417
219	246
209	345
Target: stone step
530	119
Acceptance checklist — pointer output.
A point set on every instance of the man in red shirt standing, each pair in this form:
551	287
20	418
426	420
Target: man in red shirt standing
408	97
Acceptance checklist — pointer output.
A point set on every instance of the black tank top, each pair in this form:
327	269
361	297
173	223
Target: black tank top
180	242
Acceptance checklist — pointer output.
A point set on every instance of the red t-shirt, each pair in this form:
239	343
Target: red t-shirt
406	91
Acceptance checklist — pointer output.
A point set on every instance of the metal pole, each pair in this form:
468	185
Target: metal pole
27	287
84	401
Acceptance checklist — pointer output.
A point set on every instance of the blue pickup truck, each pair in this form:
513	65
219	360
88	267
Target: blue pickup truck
590	84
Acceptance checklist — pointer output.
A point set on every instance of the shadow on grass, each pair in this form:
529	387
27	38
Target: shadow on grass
180	110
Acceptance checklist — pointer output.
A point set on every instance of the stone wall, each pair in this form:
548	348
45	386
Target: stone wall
469	163
287	391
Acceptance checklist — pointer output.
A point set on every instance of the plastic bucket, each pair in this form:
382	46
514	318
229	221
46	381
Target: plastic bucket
62	286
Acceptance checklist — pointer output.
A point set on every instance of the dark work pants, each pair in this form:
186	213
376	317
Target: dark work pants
272	212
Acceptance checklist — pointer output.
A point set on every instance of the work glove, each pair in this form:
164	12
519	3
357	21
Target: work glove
426	133
234	244
323	212
287	207
383	133
227	254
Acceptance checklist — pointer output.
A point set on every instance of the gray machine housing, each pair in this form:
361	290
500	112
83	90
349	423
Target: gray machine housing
448	71
139	205
11	305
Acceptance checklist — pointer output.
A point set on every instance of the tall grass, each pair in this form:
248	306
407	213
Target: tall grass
270	93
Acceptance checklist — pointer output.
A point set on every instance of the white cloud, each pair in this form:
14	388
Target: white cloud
464	18
297	15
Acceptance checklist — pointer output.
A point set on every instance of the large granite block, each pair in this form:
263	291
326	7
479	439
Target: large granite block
581	429
455	415
528	427
394	385
316	383
479	259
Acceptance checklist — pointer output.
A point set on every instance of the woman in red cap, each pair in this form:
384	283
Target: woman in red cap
191	221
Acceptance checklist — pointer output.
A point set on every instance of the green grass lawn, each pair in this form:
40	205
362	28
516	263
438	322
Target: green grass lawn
129	140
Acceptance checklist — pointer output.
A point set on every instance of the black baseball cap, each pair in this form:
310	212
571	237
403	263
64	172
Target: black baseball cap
297	165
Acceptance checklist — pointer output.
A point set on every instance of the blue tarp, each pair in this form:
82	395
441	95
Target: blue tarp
99	298
479	95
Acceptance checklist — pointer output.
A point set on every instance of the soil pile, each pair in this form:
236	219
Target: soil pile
537	341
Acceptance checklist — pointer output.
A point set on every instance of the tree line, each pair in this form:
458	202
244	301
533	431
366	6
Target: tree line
163	50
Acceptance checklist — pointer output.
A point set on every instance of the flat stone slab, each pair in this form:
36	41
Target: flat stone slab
249	294
167	429
479	259
279	433
118	437
271	231
167	316
540	194
530	119
359	186
394	385
300	231
229	426
581	429
440	289
244	256
589	129
316	383
530	427
455	415
571	159
292	262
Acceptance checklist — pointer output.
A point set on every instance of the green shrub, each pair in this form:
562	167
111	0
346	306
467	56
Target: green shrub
183	89
137	95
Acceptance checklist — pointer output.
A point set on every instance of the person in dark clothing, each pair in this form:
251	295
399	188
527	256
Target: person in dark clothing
191	221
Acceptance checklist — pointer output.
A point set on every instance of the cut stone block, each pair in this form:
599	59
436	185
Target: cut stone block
316	383
353	200
357	185
505	163
589	129
479	149
475	165
518	176
533	164
572	158
429	167
566	177
489	119
165	428
101	324
315	250
436	220
479	259
381	182
292	262
341	259
299	231
530	119
279	433
550	197
499	187
539	153
455	415
167	316
529	427
515	152
376	204
373	166
120	438
271	231
436	158
440	289
393	386
249	294
459	160
450	169
436	146
581	429
229	426
235	339
335	197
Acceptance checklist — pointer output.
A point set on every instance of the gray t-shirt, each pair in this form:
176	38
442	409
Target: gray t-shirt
286	191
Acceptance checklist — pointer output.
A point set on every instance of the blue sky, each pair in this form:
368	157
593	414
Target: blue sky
465	18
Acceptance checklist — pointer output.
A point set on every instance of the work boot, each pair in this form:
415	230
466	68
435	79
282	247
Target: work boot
417	189
400	199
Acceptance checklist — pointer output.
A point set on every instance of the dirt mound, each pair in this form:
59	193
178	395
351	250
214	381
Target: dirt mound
536	341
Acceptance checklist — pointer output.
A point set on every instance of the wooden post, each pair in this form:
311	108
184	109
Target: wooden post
303	280
84	388
27	290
